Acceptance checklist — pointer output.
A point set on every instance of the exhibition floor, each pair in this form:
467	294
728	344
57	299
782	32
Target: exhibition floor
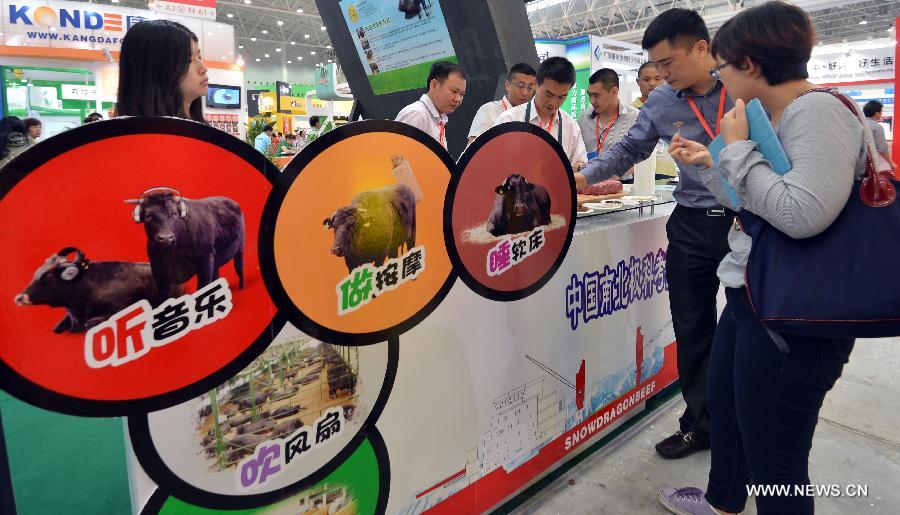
857	442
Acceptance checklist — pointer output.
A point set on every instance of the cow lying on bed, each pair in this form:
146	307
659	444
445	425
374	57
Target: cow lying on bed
520	206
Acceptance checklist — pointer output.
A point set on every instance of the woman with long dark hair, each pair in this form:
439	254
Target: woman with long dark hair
161	72
13	139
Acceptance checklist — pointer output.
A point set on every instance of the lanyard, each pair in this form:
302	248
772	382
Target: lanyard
601	142
549	125
503	102
718	117
440	124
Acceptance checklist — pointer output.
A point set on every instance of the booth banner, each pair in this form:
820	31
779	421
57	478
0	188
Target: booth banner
522	386
79	92
297	342
618	55
192	8
88	26
855	65
398	43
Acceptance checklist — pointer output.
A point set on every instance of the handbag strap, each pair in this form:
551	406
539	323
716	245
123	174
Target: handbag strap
870	163
876	190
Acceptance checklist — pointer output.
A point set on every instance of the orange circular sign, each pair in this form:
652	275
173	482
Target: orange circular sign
357	237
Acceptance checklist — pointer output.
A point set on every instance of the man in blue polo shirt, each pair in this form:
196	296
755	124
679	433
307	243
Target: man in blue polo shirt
693	102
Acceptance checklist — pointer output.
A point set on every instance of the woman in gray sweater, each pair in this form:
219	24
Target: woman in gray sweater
764	400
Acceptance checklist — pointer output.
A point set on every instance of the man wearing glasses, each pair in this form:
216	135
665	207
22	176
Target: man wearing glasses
520	85
692	102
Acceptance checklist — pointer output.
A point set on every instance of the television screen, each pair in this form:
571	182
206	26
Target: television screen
223	97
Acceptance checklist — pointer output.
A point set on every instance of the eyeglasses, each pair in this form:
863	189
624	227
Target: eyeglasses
716	72
523	85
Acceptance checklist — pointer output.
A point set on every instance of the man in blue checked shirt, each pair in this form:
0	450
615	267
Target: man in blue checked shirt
693	102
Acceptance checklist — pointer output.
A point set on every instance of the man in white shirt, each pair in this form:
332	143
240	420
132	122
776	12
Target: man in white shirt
555	77
608	120
873	110
520	85
446	89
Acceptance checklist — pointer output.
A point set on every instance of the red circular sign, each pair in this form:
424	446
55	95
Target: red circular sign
70	192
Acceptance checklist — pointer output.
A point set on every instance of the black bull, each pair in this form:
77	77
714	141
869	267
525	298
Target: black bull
520	206
188	237
90	291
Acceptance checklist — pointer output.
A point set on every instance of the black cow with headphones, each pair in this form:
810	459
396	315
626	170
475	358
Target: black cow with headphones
188	237
91	291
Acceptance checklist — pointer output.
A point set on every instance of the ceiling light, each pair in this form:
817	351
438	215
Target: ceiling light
252	39
293	42
306	36
248	2
257	59
278	50
230	15
280	23
330	61
864	22
264	31
312	53
328	47
115	1
290	62
240	46
209	33
300	11
322	27
299	57
266	56
223	58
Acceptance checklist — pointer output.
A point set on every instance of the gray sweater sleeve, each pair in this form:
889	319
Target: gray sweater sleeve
824	143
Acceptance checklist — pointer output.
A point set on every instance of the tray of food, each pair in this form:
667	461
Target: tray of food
583	211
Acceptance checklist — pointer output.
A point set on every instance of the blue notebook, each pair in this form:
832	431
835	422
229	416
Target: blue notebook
763	134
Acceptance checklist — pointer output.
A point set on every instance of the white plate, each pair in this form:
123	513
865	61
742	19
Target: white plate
604	205
590	211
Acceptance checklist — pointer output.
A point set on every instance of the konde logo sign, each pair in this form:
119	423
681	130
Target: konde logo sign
47	18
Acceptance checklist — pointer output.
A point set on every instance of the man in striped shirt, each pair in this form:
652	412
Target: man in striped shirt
608	119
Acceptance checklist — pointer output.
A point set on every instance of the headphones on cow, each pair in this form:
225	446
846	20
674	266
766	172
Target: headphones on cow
68	271
182	205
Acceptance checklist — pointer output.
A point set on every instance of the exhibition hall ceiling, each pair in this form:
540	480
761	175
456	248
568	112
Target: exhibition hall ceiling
291	31
625	20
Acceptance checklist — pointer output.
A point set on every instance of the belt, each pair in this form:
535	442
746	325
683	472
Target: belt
711	211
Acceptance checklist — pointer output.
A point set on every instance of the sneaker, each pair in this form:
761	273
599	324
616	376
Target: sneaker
685	501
